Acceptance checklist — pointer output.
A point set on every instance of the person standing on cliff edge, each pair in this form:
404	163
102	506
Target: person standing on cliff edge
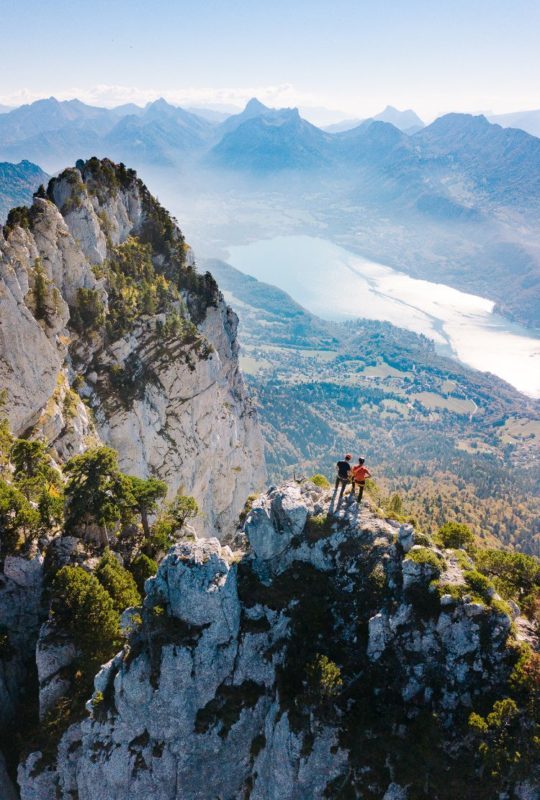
359	475
343	474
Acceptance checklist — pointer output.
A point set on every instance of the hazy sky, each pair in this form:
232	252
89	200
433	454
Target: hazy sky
352	55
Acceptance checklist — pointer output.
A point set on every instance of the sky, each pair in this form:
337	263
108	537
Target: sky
353	56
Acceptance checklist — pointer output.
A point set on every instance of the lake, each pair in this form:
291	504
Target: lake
336	284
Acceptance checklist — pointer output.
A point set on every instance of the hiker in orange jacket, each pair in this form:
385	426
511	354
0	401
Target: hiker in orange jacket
359	475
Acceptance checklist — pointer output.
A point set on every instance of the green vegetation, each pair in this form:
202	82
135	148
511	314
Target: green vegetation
89	311
456	535
86	611
248	505
32	503
134	286
33	471
516	576
324	678
182	508
168	527
423	555
119	583
480	585
147	494
19	520
320	480
96	491
6	438
508	737
142	567
41	292
17	217
371	396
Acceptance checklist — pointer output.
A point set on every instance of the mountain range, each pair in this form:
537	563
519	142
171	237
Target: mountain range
528	121
407	121
458	200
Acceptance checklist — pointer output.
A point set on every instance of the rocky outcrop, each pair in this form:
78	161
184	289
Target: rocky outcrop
167	395
21	614
304	668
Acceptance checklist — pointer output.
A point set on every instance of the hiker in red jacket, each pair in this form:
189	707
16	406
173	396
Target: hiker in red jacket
359	475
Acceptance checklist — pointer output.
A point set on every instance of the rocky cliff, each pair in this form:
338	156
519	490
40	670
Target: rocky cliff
108	333
340	655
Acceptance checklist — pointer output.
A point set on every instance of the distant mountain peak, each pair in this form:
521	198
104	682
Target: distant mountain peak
255	105
159	103
404	120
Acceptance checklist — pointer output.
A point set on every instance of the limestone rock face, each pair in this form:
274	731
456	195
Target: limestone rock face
174	406
217	694
21	614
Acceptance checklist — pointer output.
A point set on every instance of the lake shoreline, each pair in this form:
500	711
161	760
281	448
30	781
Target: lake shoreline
337	284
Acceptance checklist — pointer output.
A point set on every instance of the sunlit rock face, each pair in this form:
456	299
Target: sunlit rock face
172	403
220	693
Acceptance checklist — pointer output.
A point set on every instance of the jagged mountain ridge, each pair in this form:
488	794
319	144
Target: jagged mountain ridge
407	121
58	131
99	286
223	659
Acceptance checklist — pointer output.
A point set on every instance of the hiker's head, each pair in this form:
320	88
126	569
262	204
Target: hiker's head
361	461
348	457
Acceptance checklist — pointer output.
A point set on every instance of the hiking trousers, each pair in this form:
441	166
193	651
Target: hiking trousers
361	487
343	482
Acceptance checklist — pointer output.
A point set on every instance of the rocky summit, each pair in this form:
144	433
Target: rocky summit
330	654
108	334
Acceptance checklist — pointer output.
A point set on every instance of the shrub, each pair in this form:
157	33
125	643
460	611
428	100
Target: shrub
167	529
51	508
96	490
160	540
525	682
497	735
248	505
118	581
146	495
479	584
422	539
423	555
182	508
19	216
18	518
41	292
320	480
142	567
85	609
89	312
324	678
516	576
456	535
